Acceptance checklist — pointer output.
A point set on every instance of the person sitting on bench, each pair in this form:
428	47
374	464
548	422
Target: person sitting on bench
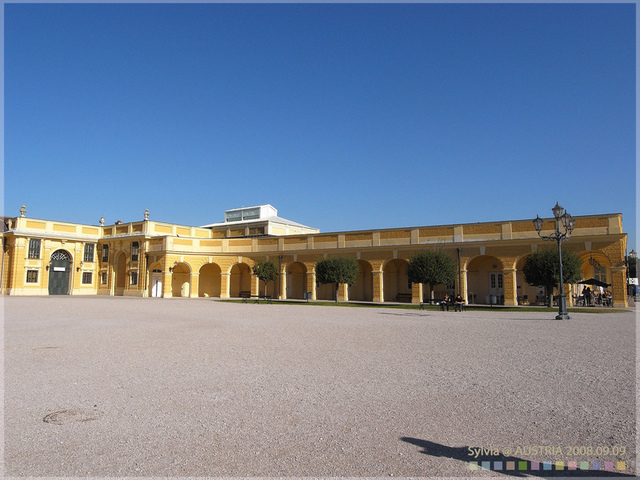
458	303
446	301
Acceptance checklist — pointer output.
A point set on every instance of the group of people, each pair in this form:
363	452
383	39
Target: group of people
596	297
457	302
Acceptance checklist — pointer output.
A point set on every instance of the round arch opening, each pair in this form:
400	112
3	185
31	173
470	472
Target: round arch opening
210	280
396	283
362	289
239	279
296	280
485	280
181	280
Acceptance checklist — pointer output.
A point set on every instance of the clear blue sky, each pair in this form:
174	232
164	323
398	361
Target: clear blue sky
343	117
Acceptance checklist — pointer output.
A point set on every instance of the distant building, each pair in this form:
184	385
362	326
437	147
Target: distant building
156	259
256	221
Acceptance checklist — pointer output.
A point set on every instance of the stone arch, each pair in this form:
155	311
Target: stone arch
362	290
181	280
296	280
595	264
239	279
210	283
396	283
485	279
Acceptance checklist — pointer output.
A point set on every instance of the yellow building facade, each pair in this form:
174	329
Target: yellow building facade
155	259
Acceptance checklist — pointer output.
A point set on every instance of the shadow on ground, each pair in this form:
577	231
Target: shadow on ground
463	454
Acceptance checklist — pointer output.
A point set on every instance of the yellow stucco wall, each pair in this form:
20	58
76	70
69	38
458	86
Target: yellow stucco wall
194	261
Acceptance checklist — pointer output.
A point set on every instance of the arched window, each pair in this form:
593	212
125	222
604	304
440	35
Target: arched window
600	273
60	255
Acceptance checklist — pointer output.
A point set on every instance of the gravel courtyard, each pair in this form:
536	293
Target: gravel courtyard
137	387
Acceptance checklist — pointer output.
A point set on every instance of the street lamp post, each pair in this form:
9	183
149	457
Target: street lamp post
568	222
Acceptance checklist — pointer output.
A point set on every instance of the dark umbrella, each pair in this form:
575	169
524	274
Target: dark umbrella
596	282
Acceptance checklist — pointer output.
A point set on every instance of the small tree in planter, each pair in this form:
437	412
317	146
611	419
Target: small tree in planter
433	267
542	268
337	270
267	271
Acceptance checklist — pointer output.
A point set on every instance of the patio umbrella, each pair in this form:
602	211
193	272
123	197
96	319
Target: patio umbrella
596	282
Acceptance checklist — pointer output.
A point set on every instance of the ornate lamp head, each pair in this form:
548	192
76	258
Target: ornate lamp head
538	223
557	211
568	222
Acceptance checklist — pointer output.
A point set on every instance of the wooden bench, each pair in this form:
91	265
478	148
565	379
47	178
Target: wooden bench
404	297
246	296
427	302
456	306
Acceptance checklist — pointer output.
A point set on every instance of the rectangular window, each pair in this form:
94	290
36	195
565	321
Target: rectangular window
32	276
134	278
135	248
600	273
89	250
34	248
105	253
103	278
87	278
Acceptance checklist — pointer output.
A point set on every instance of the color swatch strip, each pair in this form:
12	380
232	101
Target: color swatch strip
521	465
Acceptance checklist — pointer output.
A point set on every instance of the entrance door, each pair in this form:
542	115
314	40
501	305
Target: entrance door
156	283
59	272
496	288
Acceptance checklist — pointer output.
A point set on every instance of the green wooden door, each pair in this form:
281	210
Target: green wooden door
59	273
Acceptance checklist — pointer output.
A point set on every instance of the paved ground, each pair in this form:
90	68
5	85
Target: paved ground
177	387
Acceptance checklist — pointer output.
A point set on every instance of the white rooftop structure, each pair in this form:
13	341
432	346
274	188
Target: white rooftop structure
260	212
258	220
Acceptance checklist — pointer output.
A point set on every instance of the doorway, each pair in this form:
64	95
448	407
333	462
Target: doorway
156	283
496	288
59	273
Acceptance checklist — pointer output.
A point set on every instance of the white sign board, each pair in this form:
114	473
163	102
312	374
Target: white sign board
58	269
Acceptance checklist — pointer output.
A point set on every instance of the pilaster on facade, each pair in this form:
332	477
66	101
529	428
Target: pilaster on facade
225	285
569	297
311	284
510	287
619	283
194	285
461	285
282	280
416	293
378	286
255	285
343	292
